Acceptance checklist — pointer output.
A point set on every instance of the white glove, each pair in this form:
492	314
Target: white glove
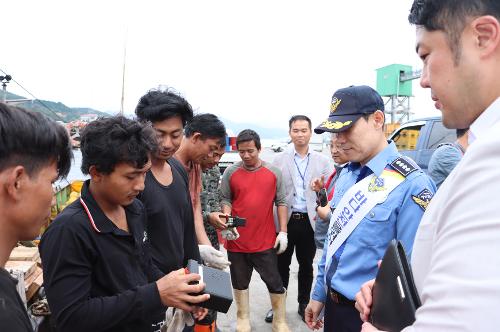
176	320
230	234
213	257
281	242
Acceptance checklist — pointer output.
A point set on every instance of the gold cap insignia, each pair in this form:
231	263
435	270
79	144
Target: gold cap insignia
335	104
335	125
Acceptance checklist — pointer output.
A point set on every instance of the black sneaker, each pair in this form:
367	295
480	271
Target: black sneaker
269	316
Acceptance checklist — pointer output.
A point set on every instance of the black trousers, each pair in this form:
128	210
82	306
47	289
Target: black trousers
341	317
300	239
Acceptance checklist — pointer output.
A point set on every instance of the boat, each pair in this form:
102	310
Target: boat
65	194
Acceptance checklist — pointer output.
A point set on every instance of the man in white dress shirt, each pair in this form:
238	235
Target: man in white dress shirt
299	164
456	254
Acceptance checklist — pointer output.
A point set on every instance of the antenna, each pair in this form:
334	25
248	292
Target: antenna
5	79
123	73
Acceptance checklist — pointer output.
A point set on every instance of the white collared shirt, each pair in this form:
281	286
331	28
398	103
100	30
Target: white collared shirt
490	116
301	166
456	254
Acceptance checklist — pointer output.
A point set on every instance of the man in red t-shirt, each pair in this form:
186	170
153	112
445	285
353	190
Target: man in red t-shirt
249	190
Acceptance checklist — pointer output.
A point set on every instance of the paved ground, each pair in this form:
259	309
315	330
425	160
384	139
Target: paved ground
260	304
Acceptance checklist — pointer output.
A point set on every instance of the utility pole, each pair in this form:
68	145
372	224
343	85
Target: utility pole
123	79
5	79
123	72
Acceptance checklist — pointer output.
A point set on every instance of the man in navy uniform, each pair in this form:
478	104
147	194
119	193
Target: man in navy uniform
379	196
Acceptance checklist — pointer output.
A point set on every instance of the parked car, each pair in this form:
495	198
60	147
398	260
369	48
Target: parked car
279	147
318	143
418	139
229	158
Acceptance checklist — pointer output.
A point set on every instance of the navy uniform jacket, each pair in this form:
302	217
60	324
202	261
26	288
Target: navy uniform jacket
100	281
355	262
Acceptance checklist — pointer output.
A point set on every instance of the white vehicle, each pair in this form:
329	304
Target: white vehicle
317	143
227	159
279	147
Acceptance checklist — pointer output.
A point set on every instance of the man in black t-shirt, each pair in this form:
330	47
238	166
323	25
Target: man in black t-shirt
170	226
34	152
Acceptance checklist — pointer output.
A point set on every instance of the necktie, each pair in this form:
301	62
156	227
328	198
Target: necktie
365	171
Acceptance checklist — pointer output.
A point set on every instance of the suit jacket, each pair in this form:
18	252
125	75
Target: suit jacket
319	165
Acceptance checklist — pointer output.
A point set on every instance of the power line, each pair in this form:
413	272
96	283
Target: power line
35	98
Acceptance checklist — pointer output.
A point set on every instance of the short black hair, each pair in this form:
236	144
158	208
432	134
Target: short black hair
107	142
299	118
248	135
32	140
208	125
461	132
450	16
367	116
222	142
159	105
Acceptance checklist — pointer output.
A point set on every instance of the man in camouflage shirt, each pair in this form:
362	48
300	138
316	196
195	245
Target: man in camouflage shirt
210	206
210	194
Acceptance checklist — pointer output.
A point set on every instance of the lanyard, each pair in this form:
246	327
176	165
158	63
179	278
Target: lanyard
89	215
302	176
330	183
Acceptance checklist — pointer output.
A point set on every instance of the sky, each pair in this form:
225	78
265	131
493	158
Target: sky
248	61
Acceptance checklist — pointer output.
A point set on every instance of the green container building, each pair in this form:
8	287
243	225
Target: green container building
388	83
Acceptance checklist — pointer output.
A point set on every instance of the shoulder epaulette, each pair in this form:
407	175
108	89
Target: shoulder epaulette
404	165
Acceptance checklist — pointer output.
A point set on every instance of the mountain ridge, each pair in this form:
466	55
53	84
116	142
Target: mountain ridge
54	110
61	112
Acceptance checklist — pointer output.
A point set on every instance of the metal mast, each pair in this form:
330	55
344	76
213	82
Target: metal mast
395	86
5	79
123	71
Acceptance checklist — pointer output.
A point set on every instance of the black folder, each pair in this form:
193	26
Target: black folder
395	297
